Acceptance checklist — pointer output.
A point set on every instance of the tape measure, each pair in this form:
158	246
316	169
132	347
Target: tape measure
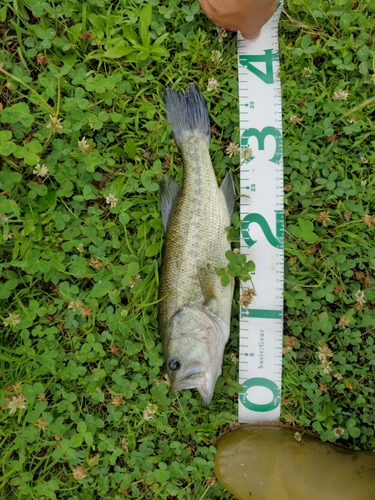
262	213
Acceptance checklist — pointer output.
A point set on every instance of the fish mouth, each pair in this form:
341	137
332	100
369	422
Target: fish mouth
196	381
207	394
194	376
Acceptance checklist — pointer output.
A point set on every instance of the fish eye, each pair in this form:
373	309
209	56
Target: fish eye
174	364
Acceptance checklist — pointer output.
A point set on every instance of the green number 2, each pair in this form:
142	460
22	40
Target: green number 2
275	241
261	135
268	57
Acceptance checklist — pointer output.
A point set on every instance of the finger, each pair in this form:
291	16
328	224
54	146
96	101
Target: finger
251	25
207	9
229	28
250	35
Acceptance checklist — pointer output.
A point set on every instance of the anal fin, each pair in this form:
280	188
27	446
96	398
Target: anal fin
227	188
169	194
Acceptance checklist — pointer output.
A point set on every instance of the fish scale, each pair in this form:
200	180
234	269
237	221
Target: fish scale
195	241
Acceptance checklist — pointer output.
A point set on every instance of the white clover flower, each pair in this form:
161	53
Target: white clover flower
369	220
326	366
75	304
322	357
364	159
307	72
216	56
222	34
360	296
79	473
55	124
246	154
233	358
17	386
296	120
41	170
344	321
12	320
84	146
150	411
41	424
324	349
340	95
134	280
212	85
232	149
16	403
111	200
338	432
80	248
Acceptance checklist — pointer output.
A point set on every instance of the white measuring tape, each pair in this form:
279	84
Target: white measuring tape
262	213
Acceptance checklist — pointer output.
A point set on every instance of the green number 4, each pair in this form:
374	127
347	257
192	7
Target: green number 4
268	57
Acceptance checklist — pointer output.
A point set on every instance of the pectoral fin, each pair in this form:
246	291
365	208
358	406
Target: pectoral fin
169	194
227	187
208	281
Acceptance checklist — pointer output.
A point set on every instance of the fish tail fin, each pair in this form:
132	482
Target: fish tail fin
187	114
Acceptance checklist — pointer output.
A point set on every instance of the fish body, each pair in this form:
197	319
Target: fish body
195	309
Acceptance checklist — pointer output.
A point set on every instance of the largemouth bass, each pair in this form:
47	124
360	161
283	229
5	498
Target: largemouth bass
195	310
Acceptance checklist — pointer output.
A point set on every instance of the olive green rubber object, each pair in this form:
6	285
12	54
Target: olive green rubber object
268	463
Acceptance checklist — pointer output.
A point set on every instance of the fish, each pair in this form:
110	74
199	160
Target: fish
194	308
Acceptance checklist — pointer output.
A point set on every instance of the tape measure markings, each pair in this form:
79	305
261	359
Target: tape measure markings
261	325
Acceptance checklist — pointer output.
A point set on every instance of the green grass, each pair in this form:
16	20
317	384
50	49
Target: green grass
79	271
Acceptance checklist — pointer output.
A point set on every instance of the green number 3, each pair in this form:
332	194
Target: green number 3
261	135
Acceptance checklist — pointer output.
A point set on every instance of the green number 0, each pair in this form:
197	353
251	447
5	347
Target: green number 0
260	382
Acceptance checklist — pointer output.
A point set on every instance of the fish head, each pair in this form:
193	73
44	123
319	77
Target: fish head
194	347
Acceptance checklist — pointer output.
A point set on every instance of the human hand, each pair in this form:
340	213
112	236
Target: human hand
247	16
